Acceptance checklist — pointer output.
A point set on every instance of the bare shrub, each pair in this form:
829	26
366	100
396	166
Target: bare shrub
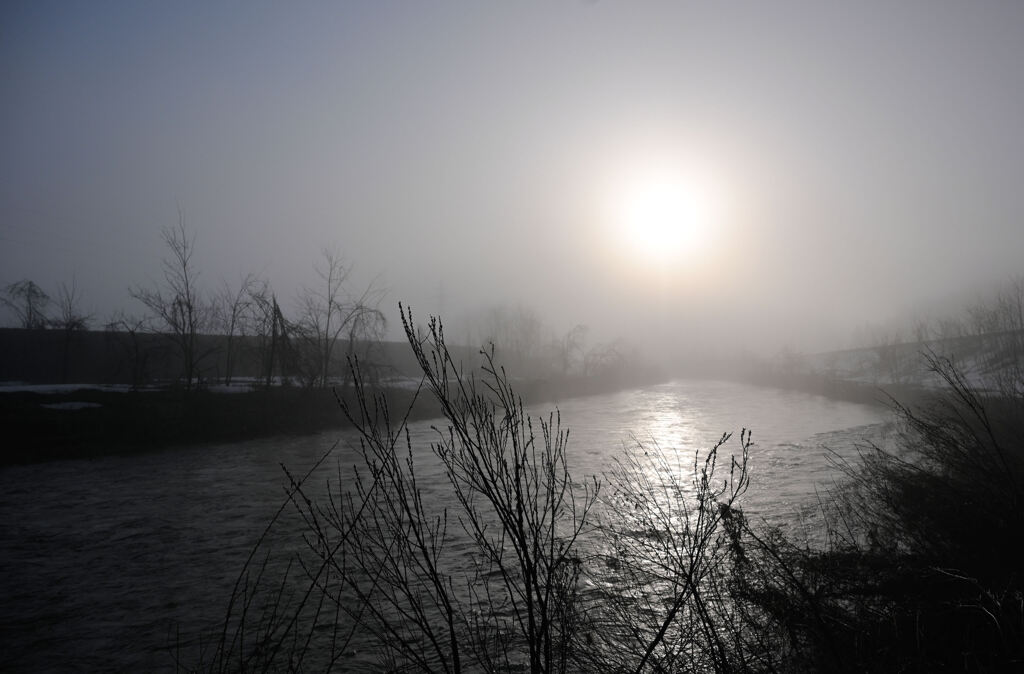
921	570
487	579
655	568
504	600
665	561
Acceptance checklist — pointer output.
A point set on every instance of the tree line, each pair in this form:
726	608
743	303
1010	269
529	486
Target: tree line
306	342
300	348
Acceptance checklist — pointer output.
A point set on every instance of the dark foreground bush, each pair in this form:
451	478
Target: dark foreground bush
922	569
521	567
651	568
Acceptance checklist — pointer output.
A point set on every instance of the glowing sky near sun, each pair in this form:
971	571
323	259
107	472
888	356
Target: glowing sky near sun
834	163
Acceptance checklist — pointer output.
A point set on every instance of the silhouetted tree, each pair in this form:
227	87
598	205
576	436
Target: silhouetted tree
890	352
267	324
125	331
176	304
922	329
70	321
514	566
515	333
607	359
950	328
28	301
571	348
331	310
365	333
71	317
233	308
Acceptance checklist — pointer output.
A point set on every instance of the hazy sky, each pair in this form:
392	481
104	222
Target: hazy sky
849	161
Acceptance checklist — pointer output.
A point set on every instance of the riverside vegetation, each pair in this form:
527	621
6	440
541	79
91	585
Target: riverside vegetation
648	568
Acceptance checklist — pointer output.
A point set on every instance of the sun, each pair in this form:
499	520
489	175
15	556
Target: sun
662	217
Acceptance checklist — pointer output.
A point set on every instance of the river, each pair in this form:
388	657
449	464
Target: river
108	563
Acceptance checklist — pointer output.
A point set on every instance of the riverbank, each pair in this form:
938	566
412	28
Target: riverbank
90	422
847	390
880	374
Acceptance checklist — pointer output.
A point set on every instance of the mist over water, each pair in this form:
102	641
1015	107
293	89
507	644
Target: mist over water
197	200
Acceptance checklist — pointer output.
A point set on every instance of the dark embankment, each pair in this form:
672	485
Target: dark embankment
93	422
921	571
156	414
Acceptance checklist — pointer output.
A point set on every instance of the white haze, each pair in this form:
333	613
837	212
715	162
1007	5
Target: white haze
865	159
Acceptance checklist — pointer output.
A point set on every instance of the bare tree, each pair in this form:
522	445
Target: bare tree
517	566
891	357
233	308
331	310
1005	347
509	602
69	321
28	301
571	348
607	359
950	328
365	334
922	329
275	350
665	536
515	333
262	307
176	303
71	317
125	331
982	318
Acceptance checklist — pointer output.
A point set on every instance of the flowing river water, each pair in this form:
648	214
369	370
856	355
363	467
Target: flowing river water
117	563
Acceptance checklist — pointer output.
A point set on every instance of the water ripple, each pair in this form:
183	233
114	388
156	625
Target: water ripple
107	563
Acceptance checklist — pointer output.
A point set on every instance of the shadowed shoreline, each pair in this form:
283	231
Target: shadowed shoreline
88	423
